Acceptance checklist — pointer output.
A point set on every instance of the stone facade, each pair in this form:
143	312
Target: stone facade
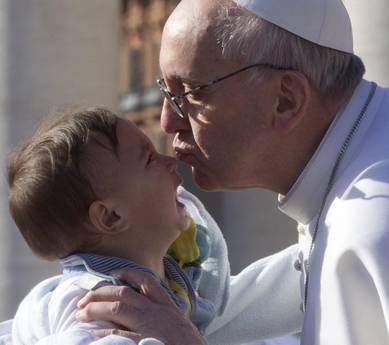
142	24
52	53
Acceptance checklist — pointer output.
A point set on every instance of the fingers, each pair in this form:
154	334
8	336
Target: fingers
147	284
131	310
110	294
126	334
117	312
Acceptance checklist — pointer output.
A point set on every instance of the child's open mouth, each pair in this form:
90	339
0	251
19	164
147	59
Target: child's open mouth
179	203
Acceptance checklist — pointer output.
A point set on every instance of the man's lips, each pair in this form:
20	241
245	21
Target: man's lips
181	153
185	151
181	147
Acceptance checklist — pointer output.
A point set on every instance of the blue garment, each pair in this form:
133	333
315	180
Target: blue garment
200	310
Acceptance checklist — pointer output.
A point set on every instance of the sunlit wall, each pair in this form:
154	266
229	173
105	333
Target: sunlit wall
52	52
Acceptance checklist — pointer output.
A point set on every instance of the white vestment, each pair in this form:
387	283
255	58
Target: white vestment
348	291
348	296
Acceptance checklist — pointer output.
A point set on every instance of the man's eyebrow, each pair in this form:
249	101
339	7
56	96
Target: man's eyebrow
191	82
179	79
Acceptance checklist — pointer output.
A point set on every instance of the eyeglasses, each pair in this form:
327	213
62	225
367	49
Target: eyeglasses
177	101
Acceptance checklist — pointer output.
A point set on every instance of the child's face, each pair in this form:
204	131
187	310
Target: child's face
144	188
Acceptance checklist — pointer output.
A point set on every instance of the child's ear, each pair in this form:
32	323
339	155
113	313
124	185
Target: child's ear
105	219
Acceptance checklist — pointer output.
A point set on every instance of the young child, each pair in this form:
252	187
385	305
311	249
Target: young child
88	188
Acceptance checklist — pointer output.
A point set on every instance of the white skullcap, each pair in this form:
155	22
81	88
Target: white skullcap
324	22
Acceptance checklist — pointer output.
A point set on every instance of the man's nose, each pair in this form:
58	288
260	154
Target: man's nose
171	122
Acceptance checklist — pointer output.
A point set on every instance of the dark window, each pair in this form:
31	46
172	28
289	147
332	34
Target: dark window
125	4
135	70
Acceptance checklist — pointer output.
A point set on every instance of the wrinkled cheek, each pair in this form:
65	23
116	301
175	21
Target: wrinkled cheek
203	120
202	142
202	131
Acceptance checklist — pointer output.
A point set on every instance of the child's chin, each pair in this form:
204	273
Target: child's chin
184	221
179	204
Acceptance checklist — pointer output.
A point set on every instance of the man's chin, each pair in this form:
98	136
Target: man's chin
205	182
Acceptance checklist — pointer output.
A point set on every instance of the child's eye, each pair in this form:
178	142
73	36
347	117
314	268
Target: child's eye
150	159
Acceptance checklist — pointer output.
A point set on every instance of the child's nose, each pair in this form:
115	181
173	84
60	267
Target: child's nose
171	163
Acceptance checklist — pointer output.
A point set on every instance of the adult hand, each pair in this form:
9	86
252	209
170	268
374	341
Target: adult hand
148	314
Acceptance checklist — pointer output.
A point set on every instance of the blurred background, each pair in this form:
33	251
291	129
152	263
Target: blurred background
55	53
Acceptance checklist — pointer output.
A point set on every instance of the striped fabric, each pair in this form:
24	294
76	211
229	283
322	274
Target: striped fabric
179	285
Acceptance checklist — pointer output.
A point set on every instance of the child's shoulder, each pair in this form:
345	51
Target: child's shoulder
48	304
48	312
39	297
50	292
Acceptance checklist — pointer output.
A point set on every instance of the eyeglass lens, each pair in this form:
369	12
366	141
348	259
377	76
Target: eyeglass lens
172	102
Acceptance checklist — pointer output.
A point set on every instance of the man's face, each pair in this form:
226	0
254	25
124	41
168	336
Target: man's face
225	135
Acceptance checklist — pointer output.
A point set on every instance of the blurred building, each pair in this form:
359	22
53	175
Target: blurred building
56	52
370	21
141	29
52	53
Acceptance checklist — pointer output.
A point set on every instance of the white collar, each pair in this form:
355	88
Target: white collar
304	199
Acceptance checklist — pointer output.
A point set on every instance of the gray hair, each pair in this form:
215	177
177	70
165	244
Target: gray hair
246	38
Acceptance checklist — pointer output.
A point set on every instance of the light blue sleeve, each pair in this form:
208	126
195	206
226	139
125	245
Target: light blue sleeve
261	302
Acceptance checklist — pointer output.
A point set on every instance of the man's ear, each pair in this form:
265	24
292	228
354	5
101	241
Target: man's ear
105	219
292	101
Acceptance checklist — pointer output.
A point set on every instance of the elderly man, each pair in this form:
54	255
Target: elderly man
268	93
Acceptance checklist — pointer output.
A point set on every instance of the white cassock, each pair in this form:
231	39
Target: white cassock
348	298
348	292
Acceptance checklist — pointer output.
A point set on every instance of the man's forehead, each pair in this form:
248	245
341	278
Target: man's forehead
189	55
198	10
195	20
192	68
190	46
